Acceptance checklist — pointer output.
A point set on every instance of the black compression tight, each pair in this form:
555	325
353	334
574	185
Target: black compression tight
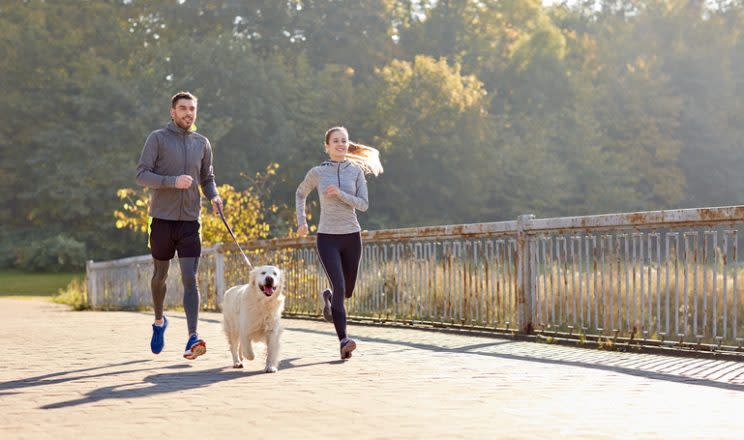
340	255
189	267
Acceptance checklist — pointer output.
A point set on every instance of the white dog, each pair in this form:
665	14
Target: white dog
252	313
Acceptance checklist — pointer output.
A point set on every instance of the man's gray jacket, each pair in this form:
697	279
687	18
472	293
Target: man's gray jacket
168	153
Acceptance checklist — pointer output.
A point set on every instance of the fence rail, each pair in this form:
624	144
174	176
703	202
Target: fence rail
661	277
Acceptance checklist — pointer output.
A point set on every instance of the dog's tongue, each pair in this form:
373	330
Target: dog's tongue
269	290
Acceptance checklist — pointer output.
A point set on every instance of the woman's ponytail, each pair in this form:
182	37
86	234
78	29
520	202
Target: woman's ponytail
366	157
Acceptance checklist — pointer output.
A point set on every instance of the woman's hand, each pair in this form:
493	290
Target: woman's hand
332	191
302	231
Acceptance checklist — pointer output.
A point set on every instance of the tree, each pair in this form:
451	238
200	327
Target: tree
429	125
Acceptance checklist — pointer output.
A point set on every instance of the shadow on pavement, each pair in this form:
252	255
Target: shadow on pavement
55	378
164	383
581	357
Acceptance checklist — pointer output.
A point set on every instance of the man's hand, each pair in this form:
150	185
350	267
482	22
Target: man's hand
302	231
332	191
184	181
216	202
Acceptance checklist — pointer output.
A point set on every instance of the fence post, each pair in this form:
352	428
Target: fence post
219	276
90	277
524	276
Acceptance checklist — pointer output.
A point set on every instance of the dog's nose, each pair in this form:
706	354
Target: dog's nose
269	281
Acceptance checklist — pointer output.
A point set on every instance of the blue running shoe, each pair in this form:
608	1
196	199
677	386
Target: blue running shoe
195	347
158	336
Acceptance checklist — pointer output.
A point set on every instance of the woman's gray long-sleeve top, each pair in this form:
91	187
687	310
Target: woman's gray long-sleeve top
337	214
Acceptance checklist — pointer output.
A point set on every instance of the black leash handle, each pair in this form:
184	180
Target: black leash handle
229	229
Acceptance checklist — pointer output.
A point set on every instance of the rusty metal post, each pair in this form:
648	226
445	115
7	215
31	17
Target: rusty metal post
524	276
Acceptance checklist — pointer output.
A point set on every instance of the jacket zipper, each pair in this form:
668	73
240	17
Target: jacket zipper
184	172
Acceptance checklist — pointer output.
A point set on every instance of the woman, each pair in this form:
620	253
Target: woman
342	189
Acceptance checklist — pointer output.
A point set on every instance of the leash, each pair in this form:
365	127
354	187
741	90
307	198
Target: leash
229	229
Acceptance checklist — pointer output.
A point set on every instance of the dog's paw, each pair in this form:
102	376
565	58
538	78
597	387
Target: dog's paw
270	369
238	365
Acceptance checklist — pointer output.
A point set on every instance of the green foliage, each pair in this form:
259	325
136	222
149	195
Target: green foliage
428	93
482	110
58	253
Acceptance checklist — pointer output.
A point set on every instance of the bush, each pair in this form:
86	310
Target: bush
7	252
75	295
54	254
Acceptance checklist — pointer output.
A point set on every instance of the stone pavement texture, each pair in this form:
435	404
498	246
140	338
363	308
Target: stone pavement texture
78	375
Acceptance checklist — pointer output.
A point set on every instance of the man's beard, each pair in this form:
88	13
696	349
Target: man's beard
184	124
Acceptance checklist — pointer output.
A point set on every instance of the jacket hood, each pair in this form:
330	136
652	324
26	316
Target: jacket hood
334	163
176	129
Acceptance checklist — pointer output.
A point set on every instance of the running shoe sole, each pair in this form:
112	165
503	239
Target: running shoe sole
327	313
198	349
347	349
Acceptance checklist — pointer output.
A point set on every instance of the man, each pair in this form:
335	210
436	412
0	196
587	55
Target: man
175	158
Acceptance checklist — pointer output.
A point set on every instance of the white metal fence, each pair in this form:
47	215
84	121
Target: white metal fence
661	277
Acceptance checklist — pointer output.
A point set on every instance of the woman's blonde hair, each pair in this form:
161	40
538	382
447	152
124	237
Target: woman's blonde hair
366	157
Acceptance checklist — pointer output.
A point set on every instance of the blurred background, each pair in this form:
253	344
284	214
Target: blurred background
482	110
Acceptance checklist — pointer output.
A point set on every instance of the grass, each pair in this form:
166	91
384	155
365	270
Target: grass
28	284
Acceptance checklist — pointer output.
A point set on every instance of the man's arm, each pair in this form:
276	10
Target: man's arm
206	180
206	174
145	175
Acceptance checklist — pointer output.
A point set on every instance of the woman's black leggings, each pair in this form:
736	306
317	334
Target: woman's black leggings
340	255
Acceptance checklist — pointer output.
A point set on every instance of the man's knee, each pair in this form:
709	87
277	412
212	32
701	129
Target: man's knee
160	272
189	269
189	280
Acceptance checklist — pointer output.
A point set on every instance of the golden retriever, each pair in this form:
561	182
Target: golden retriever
252	313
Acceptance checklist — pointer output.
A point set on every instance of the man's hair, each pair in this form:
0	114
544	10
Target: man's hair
182	95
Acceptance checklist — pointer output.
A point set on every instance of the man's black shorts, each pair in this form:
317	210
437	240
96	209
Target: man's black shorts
169	236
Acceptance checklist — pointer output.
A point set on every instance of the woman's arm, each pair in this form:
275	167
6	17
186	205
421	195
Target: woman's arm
360	200
307	185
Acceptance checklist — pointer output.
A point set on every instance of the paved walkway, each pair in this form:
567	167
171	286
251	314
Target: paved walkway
75	375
